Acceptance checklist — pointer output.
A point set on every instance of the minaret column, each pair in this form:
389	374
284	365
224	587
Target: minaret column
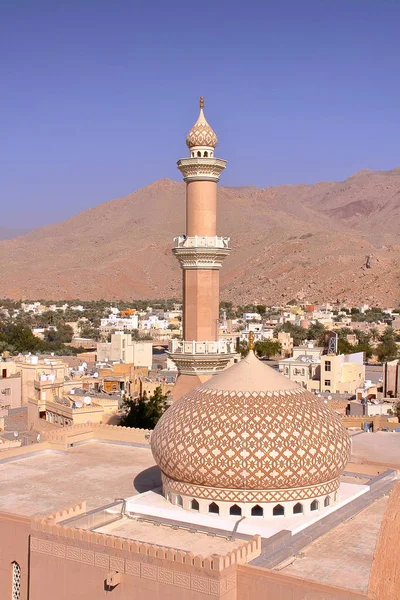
201	252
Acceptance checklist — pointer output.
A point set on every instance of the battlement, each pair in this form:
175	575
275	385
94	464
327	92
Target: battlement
49	526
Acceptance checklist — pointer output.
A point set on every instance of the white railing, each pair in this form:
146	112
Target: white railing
202	241
193	347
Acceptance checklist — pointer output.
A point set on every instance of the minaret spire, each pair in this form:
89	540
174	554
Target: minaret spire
200	252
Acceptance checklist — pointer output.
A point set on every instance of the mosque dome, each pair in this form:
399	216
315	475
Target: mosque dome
250	434
201	134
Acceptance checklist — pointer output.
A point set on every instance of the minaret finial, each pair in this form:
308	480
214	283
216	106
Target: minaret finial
201	102
251	340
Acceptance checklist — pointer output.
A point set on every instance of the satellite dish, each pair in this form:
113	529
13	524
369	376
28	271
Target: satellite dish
15	433
72	391
95	374
38	437
78	403
87	400
329	397
84	364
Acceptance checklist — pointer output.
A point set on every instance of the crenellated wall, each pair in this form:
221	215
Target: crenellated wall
74	563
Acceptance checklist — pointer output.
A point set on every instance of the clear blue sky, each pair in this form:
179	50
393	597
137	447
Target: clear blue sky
97	96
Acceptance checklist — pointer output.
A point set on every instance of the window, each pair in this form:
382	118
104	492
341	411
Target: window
235	510
179	501
314	505
206	154
213	508
328	365
195	505
297	509
16	581
327	501
257	511
278	511
327	382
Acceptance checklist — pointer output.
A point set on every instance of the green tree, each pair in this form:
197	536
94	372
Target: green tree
144	412
267	348
316	331
387	350
298	333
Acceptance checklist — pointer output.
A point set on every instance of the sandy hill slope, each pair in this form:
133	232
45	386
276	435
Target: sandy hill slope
302	241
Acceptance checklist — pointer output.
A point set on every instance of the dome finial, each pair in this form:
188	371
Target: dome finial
251	340
201	133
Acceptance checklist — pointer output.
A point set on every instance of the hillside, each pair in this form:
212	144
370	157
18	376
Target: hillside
305	241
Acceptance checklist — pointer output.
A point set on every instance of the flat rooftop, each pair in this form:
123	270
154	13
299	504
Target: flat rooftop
95	472
178	538
343	556
382	447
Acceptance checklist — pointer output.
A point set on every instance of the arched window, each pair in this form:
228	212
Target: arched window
278	511
297	508
192	154
327	501
206	154
314	505
16	581
195	505
198	153
179	501
213	508
336	496
235	510
169	497
257	511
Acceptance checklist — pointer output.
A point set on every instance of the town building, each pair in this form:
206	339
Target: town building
10	384
122	348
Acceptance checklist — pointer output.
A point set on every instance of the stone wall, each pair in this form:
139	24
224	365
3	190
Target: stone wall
260	584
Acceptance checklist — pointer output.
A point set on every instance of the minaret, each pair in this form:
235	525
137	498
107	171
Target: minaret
200	252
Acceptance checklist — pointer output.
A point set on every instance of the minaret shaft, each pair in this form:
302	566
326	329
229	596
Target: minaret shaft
201	208
201	253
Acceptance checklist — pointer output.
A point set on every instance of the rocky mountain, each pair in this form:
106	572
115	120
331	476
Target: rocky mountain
302	241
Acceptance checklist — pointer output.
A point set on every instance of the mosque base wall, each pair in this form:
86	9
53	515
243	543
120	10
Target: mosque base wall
260	584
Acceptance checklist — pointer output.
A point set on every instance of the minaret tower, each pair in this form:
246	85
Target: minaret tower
200	253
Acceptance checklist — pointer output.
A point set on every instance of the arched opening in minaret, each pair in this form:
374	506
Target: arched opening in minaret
235	510
278	511
199	153
297	509
192	154
257	511
205	154
213	508
195	505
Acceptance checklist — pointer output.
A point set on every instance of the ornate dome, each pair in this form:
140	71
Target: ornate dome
201	133
252	432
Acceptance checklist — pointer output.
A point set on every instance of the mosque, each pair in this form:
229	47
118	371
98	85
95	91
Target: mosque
250	468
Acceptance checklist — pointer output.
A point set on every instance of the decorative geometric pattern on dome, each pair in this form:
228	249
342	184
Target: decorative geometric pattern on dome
250	441
201	134
224	495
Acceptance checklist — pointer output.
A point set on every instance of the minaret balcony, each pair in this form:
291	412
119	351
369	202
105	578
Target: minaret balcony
201	252
195	347
202	241
201	358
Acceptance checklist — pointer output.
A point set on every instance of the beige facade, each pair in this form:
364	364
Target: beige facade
41	377
342	374
10	385
123	349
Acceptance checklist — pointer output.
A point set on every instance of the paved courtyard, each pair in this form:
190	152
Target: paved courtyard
380	447
343	556
95	472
